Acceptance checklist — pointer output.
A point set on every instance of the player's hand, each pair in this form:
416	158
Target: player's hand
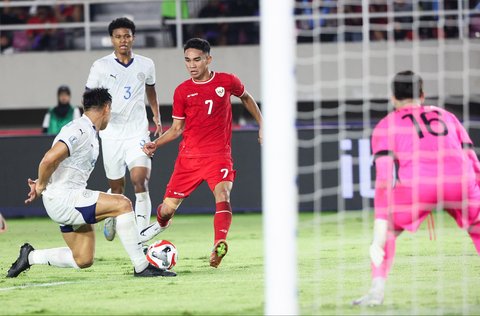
149	148
159	130
260	136
34	191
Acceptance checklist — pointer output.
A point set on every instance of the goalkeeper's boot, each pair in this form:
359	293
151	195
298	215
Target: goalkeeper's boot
109	228
21	264
373	298
219	251
151	271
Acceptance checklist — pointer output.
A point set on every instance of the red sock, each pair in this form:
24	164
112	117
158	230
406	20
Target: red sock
162	220
222	220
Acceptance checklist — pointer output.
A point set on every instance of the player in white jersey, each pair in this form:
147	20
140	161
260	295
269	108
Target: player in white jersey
128	77
62	181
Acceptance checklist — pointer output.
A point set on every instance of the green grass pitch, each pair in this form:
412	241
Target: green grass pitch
429	277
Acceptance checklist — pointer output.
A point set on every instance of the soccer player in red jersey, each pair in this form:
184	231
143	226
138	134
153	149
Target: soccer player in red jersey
202	113
424	159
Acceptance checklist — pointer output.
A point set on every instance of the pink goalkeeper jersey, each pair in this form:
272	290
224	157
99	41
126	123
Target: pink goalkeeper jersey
427	145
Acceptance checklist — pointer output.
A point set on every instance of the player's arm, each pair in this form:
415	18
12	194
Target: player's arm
252	107
171	134
47	166
153	102
467	145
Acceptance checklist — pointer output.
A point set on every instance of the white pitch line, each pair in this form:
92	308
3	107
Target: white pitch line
5	289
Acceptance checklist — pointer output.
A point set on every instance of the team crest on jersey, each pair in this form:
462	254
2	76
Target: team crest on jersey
87	194
141	76
220	91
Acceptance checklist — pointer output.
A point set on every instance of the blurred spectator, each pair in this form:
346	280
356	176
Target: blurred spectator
13	15
353	25
377	34
44	39
68	13
305	27
8	16
475	19
429	22
169	12
451	21
242	33
61	114
6	43
215	33
403	24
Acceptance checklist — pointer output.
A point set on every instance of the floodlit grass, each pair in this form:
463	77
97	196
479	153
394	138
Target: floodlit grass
429	277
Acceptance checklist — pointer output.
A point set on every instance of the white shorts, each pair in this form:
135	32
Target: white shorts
71	208
118	154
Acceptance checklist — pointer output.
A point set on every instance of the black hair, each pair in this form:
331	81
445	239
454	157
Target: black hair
96	98
63	89
197	43
121	23
407	85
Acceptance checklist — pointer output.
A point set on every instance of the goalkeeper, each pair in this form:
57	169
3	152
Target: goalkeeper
424	159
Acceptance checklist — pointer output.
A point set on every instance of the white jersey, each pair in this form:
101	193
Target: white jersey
72	173
126	84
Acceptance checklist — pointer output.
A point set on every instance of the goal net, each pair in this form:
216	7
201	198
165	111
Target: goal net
347	52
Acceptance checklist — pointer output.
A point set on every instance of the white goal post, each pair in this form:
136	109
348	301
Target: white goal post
279	156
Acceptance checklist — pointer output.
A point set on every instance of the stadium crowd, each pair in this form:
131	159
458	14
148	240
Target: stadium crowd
400	16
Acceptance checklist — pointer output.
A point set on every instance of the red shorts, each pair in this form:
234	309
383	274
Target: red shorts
189	173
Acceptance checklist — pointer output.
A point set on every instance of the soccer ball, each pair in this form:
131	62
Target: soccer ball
162	254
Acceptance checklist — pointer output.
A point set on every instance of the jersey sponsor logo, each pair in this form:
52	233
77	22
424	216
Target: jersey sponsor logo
179	193
114	76
220	91
141	76
192	95
72	139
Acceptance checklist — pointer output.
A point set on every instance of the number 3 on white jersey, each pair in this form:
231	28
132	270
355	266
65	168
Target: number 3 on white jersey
210	105
225	172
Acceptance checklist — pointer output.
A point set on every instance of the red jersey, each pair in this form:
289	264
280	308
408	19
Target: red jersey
205	106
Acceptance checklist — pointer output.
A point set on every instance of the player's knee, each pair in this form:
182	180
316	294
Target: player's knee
124	205
222	195
84	262
139	179
140	185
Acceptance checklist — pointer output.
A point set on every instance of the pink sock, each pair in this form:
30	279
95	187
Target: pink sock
384	268
476	240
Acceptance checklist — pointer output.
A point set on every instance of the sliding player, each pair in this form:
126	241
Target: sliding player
423	158
202	112
62	181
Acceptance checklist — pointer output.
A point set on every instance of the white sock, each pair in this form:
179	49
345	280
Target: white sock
58	257
378	285
143	210
127	231
150	232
